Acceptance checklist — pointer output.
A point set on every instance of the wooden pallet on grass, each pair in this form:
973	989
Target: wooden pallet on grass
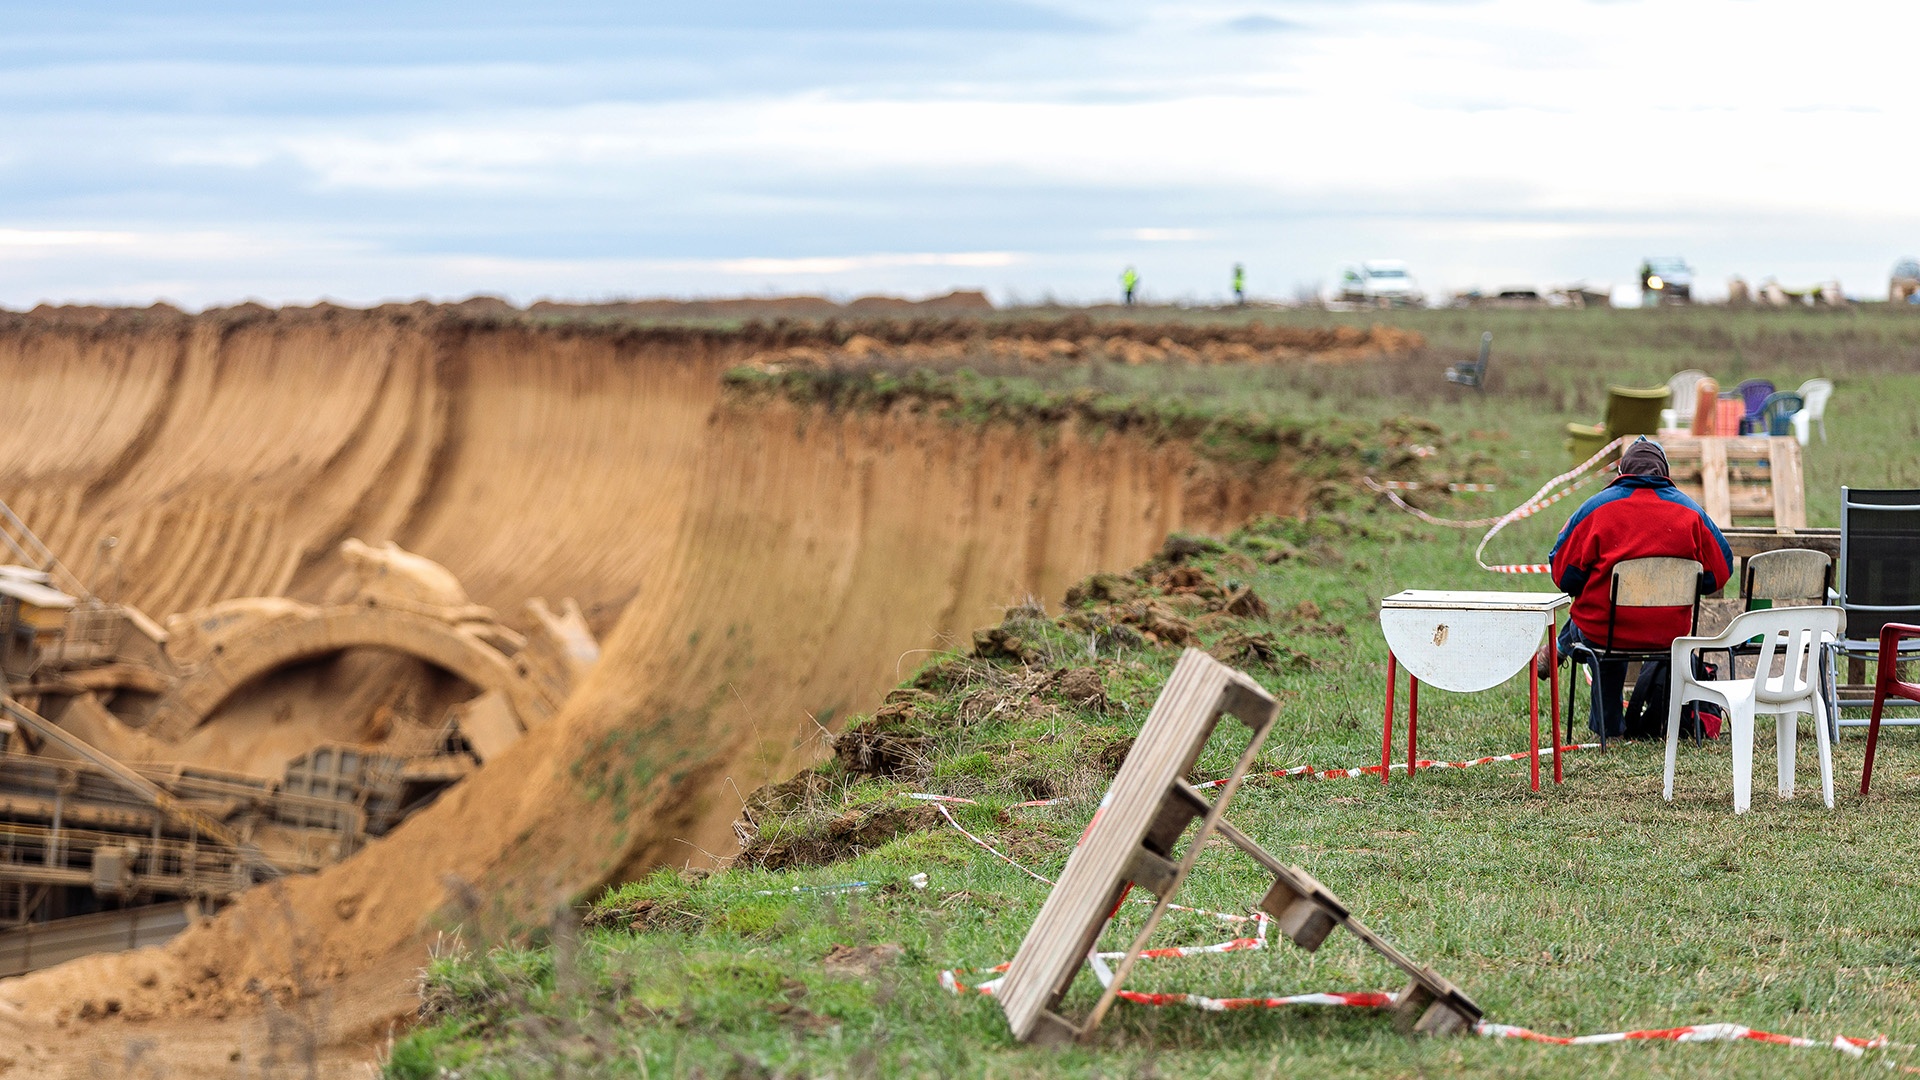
1134	840
1748	479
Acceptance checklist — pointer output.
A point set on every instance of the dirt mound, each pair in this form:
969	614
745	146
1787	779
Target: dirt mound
773	307
1079	339
754	570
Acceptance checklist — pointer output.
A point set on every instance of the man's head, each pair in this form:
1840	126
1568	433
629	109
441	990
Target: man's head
1643	458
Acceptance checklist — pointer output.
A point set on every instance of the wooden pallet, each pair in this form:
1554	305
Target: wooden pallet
1132	840
1749	479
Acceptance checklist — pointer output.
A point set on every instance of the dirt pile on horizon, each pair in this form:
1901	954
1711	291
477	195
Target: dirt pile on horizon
1080	339
755	571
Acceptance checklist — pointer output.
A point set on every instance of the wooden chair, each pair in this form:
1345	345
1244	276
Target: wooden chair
1654	582
1800	577
1784	575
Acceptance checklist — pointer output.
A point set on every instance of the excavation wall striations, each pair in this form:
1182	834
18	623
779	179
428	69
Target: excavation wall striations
752	568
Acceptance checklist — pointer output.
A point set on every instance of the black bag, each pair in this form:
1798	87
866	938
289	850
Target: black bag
1646	715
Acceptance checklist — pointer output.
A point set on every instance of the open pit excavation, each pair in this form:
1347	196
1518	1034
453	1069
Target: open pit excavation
317	540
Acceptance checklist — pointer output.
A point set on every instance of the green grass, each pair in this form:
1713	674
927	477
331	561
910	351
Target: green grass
1595	906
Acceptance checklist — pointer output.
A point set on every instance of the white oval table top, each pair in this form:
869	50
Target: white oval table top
1485	601
1466	641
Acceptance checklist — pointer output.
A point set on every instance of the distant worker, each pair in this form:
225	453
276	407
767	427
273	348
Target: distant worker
1129	281
1239	285
1640	515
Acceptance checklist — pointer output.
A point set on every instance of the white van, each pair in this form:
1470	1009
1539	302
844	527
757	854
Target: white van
1382	282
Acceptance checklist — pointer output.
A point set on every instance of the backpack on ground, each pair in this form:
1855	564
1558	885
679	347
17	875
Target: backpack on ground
1646	715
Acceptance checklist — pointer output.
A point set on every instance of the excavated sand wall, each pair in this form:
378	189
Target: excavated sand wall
753	567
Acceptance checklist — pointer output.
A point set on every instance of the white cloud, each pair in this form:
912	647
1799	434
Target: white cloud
1508	140
31	239
844	264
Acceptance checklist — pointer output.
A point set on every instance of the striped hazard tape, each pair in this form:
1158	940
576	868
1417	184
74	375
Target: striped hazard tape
1417	485
1308	771
1571	479
956	800
1850	1045
962	981
1400	766
1551	492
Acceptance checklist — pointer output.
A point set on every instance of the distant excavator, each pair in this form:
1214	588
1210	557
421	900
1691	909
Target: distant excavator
110	837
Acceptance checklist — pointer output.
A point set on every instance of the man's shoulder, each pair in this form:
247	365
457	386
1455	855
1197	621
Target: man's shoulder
1624	503
1610	493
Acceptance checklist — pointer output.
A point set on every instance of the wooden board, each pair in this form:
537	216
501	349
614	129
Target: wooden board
1747	479
1132	839
1749	542
1199	691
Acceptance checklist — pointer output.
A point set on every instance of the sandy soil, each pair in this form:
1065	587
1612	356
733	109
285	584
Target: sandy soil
752	570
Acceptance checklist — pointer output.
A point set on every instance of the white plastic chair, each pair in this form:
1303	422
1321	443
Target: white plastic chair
1679	412
1794	691
1814	393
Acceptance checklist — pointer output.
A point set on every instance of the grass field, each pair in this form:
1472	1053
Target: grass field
1591	907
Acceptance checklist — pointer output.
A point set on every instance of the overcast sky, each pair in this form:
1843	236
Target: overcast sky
208	151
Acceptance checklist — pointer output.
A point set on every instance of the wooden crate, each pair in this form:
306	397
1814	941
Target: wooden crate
1747	480
1134	839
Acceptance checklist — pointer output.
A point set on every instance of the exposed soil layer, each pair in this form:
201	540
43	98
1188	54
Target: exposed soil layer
755	569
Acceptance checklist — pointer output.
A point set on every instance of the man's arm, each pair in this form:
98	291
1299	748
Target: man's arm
1563	561
1715	555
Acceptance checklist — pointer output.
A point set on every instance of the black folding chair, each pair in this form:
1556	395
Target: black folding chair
1879	583
1473	373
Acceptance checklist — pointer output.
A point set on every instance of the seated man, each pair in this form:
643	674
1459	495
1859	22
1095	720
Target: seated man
1640	515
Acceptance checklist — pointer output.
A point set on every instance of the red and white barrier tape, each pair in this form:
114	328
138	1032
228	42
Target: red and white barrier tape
1401	766
1539	502
1573	479
1416	485
1223	916
1850	1045
1367	999
954	979
951	979
989	848
959	801
1846	1044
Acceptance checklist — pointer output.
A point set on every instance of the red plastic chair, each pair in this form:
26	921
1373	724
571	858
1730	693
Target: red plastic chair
1886	684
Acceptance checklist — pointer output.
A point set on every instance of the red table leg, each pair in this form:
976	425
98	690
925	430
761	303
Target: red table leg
1553	692
1533	717
1386	738
1413	717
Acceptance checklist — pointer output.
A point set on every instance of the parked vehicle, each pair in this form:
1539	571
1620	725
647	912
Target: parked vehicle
1665	280
1381	282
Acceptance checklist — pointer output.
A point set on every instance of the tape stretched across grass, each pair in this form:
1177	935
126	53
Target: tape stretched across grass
1573	479
957	982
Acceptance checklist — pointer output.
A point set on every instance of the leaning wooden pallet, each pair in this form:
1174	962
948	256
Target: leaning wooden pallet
1132	840
1749	480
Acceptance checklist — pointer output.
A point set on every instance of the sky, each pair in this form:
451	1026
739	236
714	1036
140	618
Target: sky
206	152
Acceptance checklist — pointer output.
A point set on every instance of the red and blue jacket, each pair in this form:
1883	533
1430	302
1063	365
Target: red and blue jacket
1636	517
